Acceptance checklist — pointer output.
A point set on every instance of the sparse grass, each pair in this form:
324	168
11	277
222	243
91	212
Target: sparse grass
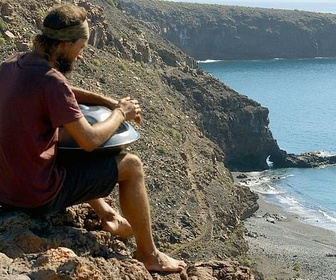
177	135
161	127
176	232
296	267
111	2
3	24
140	64
123	67
153	211
297	275
163	150
246	261
97	62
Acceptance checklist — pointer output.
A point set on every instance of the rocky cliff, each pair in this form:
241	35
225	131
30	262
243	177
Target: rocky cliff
196	207
237	124
231	32
195	131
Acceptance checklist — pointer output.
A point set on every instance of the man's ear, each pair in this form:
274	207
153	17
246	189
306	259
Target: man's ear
64	45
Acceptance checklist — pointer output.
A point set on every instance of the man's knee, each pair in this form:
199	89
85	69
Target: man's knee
133	161
129	163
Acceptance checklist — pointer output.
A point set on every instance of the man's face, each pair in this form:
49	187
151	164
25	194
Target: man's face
69	54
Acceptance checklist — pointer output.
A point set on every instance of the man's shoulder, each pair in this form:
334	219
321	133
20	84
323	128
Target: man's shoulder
52	73
12	59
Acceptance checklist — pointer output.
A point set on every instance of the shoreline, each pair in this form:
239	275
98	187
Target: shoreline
283	247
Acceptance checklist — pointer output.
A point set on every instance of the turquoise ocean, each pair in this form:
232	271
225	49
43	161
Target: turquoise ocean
301	97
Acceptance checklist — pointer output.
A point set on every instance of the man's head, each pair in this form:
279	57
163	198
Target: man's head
64	35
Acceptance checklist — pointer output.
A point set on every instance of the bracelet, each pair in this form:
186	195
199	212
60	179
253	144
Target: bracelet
121	111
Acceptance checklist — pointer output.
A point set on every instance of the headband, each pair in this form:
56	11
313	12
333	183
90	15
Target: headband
80	31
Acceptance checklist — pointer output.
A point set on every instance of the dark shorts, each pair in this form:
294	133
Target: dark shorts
88	176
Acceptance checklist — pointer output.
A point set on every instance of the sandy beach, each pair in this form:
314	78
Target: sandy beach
283	247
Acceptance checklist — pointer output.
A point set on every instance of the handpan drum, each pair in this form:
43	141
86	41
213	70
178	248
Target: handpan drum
121	139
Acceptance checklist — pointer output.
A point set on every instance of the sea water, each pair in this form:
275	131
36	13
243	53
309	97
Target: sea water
301	97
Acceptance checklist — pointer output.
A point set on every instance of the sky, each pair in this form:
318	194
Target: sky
324	6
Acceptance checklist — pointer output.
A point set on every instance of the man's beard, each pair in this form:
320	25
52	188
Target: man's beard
64	64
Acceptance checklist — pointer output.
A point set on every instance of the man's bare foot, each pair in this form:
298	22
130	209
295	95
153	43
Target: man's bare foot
118	226
111	220
161	262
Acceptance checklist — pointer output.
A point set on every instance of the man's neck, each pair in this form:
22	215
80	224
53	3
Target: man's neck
39	51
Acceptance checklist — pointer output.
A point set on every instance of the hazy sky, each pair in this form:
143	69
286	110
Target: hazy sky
253	1
324	6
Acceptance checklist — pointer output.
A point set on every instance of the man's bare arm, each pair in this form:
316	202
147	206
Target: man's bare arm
90	136
88	97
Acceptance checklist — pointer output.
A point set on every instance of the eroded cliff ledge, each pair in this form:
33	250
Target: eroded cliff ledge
231	32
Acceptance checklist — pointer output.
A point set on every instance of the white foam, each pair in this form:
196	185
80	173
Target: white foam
260	182
326	153
306	214
328	217
208	61
265	189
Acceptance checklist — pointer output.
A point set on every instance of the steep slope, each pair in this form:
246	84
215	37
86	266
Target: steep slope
238	125
231	32
195	205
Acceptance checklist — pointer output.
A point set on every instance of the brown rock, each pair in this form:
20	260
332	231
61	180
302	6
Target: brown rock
27	241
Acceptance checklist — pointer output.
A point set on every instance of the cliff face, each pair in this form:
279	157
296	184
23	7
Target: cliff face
236	123
227	32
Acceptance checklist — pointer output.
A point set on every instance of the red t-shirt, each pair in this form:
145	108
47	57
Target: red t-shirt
35	100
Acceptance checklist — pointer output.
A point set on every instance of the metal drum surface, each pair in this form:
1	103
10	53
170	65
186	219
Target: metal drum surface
124	136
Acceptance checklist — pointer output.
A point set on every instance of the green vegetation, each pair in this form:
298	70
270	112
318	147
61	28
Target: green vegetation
112	2
176	232
97	62
123	67
2	40
3	24
246	261
140	64
177	135
297	268
163	150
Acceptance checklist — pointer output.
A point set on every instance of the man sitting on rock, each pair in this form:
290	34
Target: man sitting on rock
35	101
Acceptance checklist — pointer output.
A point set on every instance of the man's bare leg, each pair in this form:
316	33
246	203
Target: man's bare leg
135	207
111	220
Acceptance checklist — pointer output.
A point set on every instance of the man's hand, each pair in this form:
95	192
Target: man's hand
131	109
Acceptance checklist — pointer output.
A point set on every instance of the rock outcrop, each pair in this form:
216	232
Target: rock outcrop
59	248
195	205
305	160
231	32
